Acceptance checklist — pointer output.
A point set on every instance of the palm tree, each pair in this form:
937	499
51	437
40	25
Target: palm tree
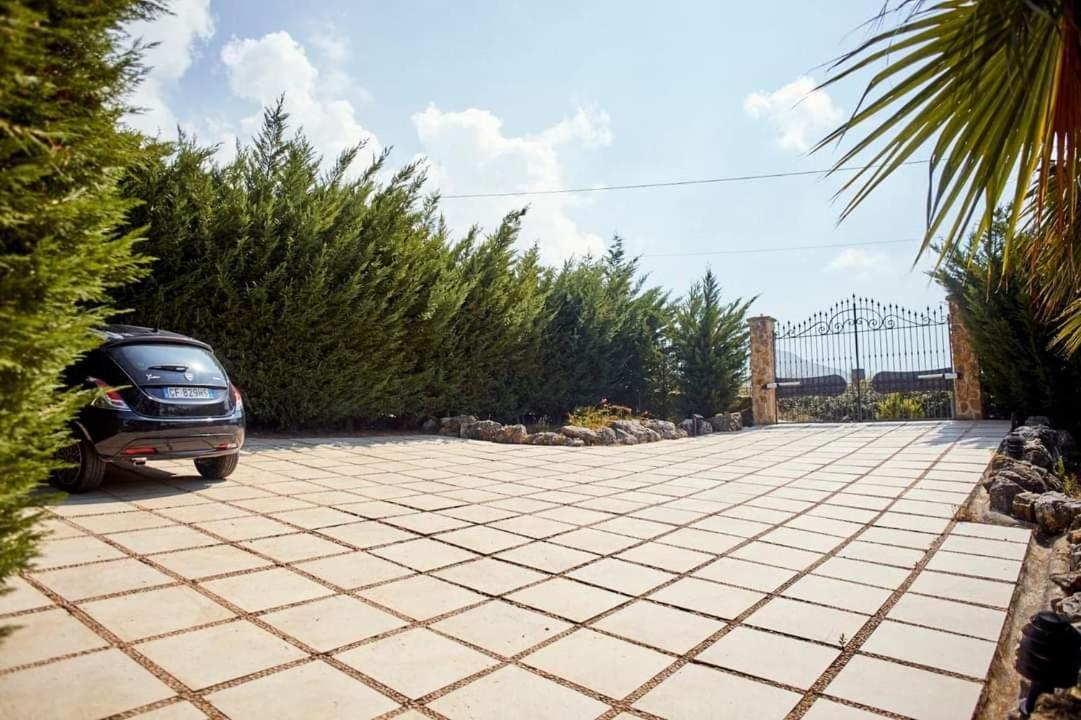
993	89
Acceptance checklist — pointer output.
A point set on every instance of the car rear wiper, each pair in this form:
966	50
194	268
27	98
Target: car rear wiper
172	368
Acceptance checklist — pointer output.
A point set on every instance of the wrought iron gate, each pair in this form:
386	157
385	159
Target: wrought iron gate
862	360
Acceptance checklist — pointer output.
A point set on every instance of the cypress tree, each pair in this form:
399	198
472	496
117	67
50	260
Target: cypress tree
709	343
63	77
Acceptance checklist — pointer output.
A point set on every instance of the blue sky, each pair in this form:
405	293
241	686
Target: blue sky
513	96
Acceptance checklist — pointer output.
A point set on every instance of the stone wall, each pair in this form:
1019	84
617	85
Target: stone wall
763	399
967	401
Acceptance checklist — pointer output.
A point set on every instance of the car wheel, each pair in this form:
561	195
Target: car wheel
87	468
217	468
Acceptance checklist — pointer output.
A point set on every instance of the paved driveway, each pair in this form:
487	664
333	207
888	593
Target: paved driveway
793	572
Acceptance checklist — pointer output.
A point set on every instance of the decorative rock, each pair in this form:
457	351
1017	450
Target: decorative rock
605	436
481	430
1054	512
430	426
635	428
1003	492
587	436
1038	455
512	434
667	430
1028	476
704	428
1057	706
574	442
1024	506
624	438
453	425
1037	420
726	422
1069	582
548	438
1070	606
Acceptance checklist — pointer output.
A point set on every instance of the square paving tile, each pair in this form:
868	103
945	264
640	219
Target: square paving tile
971	590
423	554
314	518
665	557
723	601
483	539
209	561
934	648
366	534
568	599
17	595
661	627
835	627
976	565
314	690
295	547
774	657
164	539
778	555
73	551
245	528
86	581
501	627
266	589
119	522
829	710
353	570
859	571
427	523
889	686
416	662
702	540
33	693
490	576
332	622
421	597
755	576
949	615
155	612
535	698
621	576
595	541
548	557
44	635
839	593
197	660
604	664
694	692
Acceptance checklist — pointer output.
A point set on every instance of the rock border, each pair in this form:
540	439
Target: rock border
617	432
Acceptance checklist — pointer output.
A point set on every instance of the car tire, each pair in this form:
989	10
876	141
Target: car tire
217	468
88	472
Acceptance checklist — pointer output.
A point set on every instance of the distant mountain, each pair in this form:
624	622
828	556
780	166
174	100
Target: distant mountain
791	365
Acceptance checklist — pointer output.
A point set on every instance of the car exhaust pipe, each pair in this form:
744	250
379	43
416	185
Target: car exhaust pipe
137	461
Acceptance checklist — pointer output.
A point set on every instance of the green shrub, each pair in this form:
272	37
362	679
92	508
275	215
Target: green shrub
62	80
897	406
1019	373
598	416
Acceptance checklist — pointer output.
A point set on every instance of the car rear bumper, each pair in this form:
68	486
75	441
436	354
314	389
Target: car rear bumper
120	435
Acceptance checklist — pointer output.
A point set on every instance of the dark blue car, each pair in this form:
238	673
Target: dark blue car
160	396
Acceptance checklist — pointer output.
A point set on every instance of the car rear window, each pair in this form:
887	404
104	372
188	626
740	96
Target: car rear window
167	363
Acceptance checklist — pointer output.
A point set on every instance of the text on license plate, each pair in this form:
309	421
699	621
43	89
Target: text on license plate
187	393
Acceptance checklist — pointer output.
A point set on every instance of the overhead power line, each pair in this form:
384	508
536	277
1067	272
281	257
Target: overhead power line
790	248
675	183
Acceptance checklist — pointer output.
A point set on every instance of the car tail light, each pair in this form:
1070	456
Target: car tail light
139	451
238	402
109	397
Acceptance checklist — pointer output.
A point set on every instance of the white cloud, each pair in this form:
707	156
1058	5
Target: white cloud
856	259
176	36
800	114
469	152
263	69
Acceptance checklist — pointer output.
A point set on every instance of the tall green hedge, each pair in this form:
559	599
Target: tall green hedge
340	298
1019	371
62	80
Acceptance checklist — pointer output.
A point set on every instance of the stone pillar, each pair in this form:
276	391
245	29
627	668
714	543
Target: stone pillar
967	400
763	399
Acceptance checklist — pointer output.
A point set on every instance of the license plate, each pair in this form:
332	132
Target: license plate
187	393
